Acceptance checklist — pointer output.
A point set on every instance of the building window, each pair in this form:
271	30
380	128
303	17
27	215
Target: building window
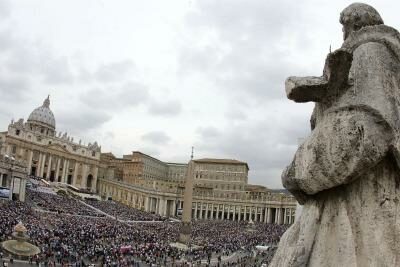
14	149
17	132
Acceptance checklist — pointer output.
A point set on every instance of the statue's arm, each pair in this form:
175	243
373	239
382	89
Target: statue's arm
346	144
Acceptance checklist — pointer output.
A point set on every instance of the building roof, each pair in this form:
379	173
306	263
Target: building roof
43	114
147	156
221	161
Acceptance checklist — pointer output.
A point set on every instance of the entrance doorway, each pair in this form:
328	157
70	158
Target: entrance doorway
89	181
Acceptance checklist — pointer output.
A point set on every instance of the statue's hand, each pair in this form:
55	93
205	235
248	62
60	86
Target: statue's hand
300	196
290	183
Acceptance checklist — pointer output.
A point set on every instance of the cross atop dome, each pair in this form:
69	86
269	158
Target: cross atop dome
46	102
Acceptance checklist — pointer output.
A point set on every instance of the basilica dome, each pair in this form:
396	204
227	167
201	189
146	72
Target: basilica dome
43	115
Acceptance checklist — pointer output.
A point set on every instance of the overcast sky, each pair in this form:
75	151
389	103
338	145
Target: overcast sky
161	76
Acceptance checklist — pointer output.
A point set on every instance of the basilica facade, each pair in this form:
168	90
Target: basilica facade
53	156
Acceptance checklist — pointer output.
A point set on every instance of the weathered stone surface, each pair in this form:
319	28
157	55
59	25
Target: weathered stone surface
346	173
320	89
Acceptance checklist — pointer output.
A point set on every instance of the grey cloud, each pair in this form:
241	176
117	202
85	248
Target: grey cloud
165	108
13	88
79	121
114	71
5	9
246	54
156	137
268	145
57	71
116	97
208	132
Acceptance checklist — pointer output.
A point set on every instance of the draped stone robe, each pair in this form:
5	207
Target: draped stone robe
348	166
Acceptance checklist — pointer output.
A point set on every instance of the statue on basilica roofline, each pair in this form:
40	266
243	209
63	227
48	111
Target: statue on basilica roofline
346	173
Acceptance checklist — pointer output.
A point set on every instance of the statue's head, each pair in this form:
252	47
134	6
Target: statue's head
358	15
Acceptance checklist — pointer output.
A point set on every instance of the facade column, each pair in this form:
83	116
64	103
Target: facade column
212	212
84	175
234	213
48	169
58	169
206	215
251	213
217	215
75	177
30	157
64	171
239	213
67	171
223	212
42	165
94	182
38	165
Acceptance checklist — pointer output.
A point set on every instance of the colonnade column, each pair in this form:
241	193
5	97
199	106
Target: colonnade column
157	205
201	211
284	216
269	215
146	204
217	215
195	210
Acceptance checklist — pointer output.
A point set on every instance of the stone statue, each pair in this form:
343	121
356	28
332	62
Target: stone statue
346	173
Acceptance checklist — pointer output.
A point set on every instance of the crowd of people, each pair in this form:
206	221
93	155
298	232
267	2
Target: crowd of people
59	203
64	238
123	212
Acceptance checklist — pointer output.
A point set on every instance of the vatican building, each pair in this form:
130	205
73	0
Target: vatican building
221	189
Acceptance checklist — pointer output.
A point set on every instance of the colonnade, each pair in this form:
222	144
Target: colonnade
167	205
237	212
